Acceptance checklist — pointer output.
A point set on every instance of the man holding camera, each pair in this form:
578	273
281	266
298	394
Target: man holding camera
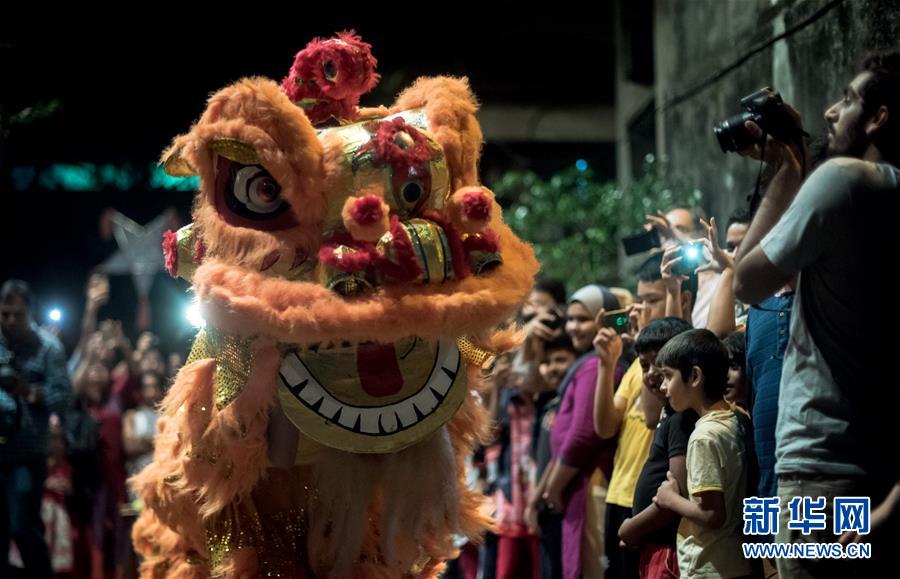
34	384
837	404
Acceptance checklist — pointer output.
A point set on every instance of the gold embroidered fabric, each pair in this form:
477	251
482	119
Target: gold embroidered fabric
271	521
234	361
474	354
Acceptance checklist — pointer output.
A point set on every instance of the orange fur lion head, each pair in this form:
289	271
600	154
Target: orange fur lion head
364	242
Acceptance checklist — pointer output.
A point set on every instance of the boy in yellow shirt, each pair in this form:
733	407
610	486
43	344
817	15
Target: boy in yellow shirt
695	369
629	412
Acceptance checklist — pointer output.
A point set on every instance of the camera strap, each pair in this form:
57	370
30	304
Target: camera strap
756	198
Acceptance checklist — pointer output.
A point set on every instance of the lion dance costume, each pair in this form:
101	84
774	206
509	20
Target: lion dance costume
353	274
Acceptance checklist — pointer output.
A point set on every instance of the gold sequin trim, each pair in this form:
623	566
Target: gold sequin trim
278	540
234	361
474	354
199	350
186	242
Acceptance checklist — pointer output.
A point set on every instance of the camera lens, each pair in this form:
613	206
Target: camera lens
733	135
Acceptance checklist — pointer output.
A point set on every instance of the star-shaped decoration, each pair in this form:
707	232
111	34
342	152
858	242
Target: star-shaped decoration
140	250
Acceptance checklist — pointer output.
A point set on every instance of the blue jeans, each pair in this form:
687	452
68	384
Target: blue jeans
768	333
21	489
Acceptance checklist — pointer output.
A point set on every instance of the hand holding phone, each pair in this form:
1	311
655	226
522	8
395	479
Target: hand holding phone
692	256
545	326
634	244
553	320
617	320
608	342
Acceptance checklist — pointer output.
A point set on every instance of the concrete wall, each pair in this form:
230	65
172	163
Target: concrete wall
704	65
631	98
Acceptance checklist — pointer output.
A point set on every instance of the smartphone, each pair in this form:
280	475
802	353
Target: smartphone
617	320
692	257
634	244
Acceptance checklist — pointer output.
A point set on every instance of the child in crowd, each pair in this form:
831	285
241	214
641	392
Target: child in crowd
652	529
737	390
695	369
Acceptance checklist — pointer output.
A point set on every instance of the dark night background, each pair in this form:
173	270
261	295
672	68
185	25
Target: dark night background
126	85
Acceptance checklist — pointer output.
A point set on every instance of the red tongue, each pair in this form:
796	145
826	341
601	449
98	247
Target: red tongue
379	372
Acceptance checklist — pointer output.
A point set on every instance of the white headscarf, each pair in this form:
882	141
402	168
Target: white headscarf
595	297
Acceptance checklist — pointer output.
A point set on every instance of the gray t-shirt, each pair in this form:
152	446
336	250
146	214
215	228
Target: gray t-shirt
839	385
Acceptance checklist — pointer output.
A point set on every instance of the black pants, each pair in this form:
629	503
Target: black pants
623	563
487	557
21	490
551	545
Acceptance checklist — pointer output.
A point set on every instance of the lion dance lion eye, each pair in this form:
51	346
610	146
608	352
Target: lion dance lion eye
248	196
329	70
257	190
412	192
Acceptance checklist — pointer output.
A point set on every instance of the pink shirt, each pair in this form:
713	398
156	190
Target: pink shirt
510	513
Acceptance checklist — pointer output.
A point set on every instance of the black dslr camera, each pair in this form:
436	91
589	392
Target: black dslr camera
766	109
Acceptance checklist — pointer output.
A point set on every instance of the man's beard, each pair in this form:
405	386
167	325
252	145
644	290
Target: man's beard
852	143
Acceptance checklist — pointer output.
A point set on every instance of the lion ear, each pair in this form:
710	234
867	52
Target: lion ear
174	164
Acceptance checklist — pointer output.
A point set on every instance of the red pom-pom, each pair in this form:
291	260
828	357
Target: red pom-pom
170	250
477	206
367	210
366	218
328	76
470	208
390	147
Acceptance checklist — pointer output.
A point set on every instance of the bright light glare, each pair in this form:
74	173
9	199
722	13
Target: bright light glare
55	315
193	315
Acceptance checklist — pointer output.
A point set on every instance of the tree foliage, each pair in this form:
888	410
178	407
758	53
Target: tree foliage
576	221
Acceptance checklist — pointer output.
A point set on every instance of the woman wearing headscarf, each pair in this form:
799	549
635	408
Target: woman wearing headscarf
576	451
